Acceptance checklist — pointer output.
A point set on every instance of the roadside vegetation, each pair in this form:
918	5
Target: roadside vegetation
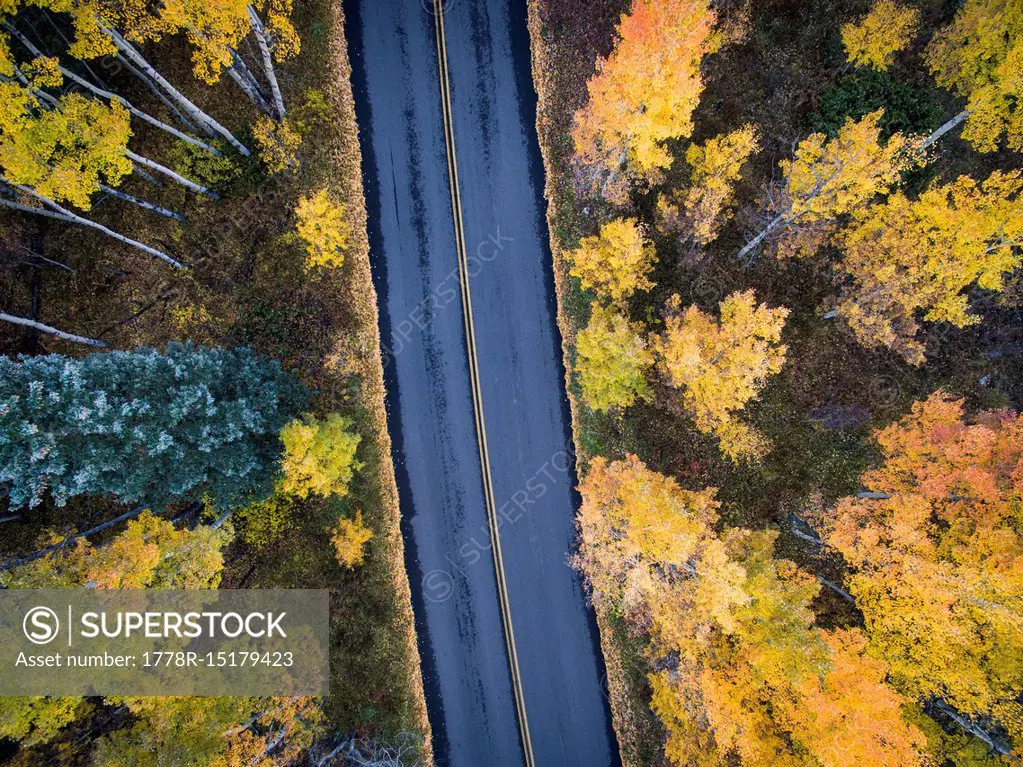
182	226
787	242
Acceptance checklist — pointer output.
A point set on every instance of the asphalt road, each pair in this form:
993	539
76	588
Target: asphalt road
412	239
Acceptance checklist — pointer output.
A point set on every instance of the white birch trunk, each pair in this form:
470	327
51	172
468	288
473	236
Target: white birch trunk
959	118
268	65
171	174
144	204
191	109
759	238
64	336
63	214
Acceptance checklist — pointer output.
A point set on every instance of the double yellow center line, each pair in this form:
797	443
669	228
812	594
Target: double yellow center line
474	376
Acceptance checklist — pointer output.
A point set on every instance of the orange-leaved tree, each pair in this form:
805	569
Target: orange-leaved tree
720	365
633	520
617	262
874	40
904	257
980	56
643	94
935	549
740	673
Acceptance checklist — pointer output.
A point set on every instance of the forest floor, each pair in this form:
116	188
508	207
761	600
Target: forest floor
788	78
248	284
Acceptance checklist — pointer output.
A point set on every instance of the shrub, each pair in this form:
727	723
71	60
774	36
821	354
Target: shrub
906	109
201	166
278	145
350	537
265	522
311	113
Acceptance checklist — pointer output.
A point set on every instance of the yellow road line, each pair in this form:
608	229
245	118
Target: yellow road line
477	393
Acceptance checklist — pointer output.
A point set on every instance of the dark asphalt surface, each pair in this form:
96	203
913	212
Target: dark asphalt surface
469	691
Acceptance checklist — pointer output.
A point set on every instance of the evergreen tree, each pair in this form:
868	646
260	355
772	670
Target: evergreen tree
143	426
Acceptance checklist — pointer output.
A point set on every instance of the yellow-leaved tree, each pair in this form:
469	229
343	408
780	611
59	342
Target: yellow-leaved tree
216	31
616	263
633	519
740	675
149	553
830	178
935	550
643	94
107	28
980	56
905	257
613	360
35	720
874	40
715	165
64	153
700	210
213	731
323	226
319	456
721	365
224	731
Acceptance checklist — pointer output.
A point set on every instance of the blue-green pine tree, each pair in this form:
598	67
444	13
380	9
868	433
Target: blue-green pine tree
146	427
